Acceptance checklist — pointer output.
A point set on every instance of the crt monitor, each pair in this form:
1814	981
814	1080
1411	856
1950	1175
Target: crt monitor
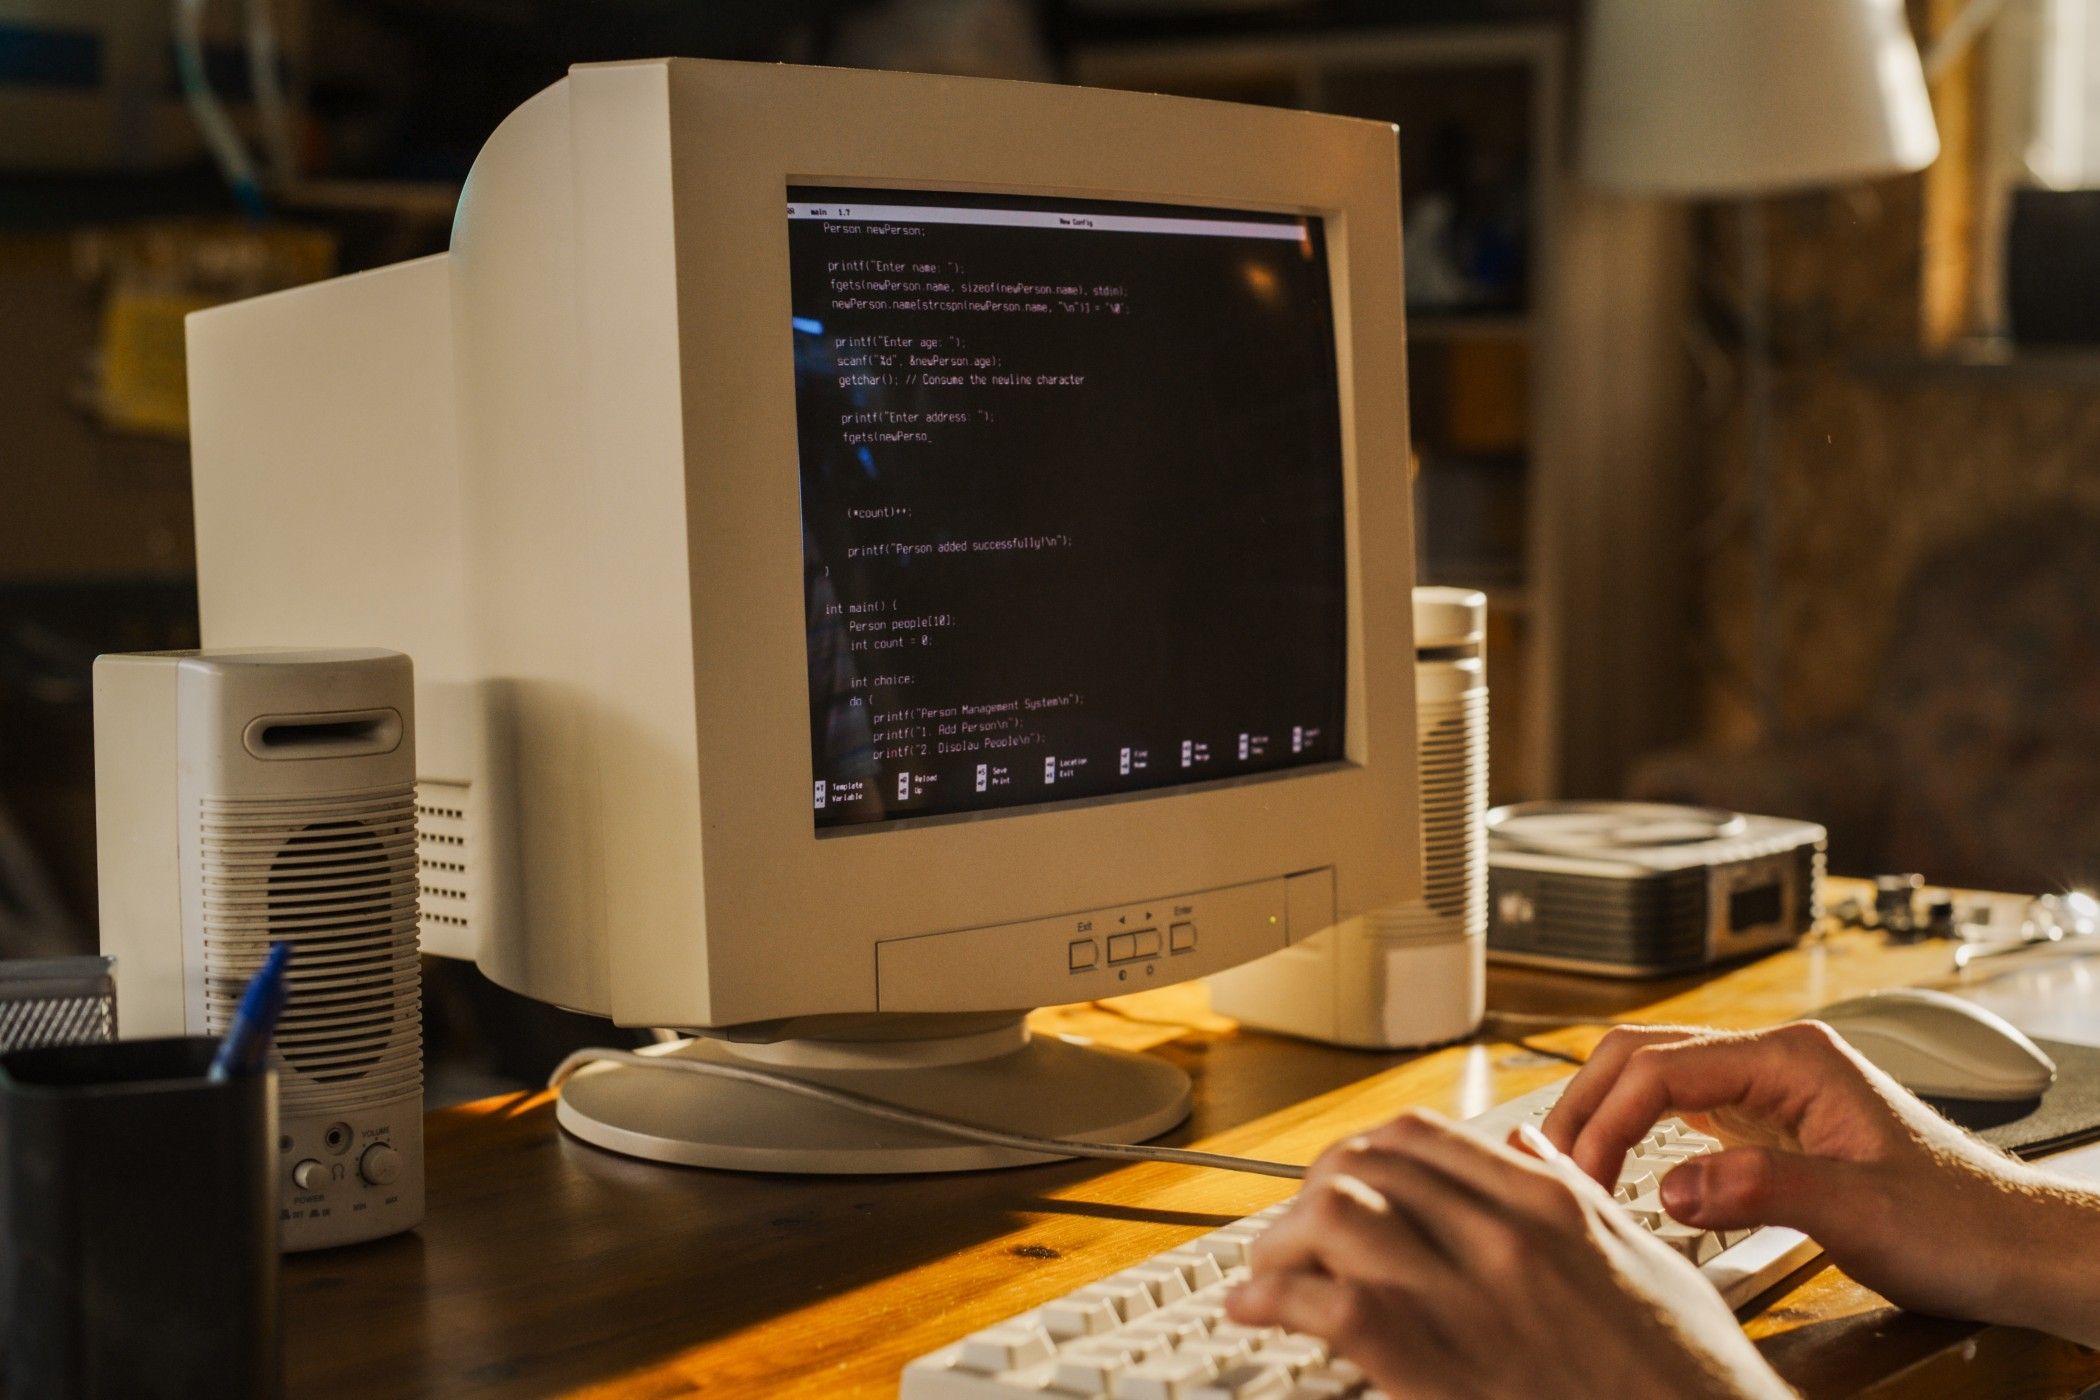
880	552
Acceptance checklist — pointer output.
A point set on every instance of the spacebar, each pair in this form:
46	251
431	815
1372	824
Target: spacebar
1748	1268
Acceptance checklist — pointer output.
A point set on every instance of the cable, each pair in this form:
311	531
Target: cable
1109	1008
1546	1050
1559	1019
213	124
1496	1025
272	107
889	1112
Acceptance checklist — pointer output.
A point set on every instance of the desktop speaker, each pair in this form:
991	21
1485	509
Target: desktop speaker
1413	973
244	798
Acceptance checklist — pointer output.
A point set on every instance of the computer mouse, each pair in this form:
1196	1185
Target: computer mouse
1941	1047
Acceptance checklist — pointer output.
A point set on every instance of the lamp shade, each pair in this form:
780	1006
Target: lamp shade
1738	97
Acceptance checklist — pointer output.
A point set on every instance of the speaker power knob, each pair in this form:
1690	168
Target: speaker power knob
309	1175
380	1165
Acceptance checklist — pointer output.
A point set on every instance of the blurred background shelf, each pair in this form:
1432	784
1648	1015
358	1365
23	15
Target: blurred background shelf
1429	326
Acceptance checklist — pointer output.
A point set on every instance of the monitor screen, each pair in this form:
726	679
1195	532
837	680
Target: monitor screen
1072	499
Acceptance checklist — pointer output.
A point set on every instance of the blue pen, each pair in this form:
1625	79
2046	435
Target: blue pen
247	1041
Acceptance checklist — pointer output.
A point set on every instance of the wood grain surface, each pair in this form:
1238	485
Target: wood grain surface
547	1266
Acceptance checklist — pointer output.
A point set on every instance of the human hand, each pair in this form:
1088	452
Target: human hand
1820	1140
1446	1266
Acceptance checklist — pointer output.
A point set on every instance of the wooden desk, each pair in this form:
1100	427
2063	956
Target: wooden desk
549	1266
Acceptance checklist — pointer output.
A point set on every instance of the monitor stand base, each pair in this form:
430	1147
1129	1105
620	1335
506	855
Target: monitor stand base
1000	1078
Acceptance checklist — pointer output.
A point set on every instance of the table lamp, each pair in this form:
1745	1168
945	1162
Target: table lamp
1742	98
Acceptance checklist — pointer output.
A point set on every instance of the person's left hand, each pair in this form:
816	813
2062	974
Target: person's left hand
1446	1266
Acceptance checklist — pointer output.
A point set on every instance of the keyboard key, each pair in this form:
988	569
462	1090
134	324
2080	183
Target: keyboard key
1168	1283
1084	1371
1228	1246
1226	1351
1655	1167
1634	1180
1174	1378
1145	1292
1076	1316
1292	1352
1130	1300
1337	1378
1135	1348
1246	1383
1693	1243
1006	1348
1133	1299
1198	1268
1164	1333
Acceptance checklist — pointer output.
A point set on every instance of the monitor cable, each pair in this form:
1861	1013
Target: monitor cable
931	1122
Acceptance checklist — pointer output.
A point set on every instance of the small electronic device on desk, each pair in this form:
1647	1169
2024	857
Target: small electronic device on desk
1641	889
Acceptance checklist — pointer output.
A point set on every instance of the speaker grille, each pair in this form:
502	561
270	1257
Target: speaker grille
56	1001
1451	738
1453	778
442	856
336	878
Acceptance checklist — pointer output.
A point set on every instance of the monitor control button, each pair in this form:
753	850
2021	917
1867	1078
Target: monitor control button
1147	942
1181	938
381	1165
310	1175
1084	953
1122	947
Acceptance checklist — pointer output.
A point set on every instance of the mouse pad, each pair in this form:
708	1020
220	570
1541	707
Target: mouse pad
2066	1115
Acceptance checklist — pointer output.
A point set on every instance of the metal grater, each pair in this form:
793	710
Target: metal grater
56	1001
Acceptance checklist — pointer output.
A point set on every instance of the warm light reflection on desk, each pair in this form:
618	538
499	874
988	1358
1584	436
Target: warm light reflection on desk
1475	1091
2055	996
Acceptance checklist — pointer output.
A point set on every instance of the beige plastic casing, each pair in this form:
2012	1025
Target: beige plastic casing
220	829
1415	973
557	465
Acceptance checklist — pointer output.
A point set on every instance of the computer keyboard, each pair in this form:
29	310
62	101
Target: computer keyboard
1158	1330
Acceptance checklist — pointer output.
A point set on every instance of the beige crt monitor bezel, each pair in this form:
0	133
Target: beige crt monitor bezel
556	465
777	922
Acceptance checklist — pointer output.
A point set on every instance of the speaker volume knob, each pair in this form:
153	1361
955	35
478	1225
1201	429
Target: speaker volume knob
309	1175
380	1165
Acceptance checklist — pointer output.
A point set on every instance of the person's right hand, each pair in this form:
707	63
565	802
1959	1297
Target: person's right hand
1818	1139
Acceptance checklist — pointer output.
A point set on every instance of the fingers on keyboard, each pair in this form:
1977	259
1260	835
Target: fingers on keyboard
1158	1330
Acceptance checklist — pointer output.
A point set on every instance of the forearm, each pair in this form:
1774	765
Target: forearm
2051	1268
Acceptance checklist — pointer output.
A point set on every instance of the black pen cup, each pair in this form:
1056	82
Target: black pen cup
138	1224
